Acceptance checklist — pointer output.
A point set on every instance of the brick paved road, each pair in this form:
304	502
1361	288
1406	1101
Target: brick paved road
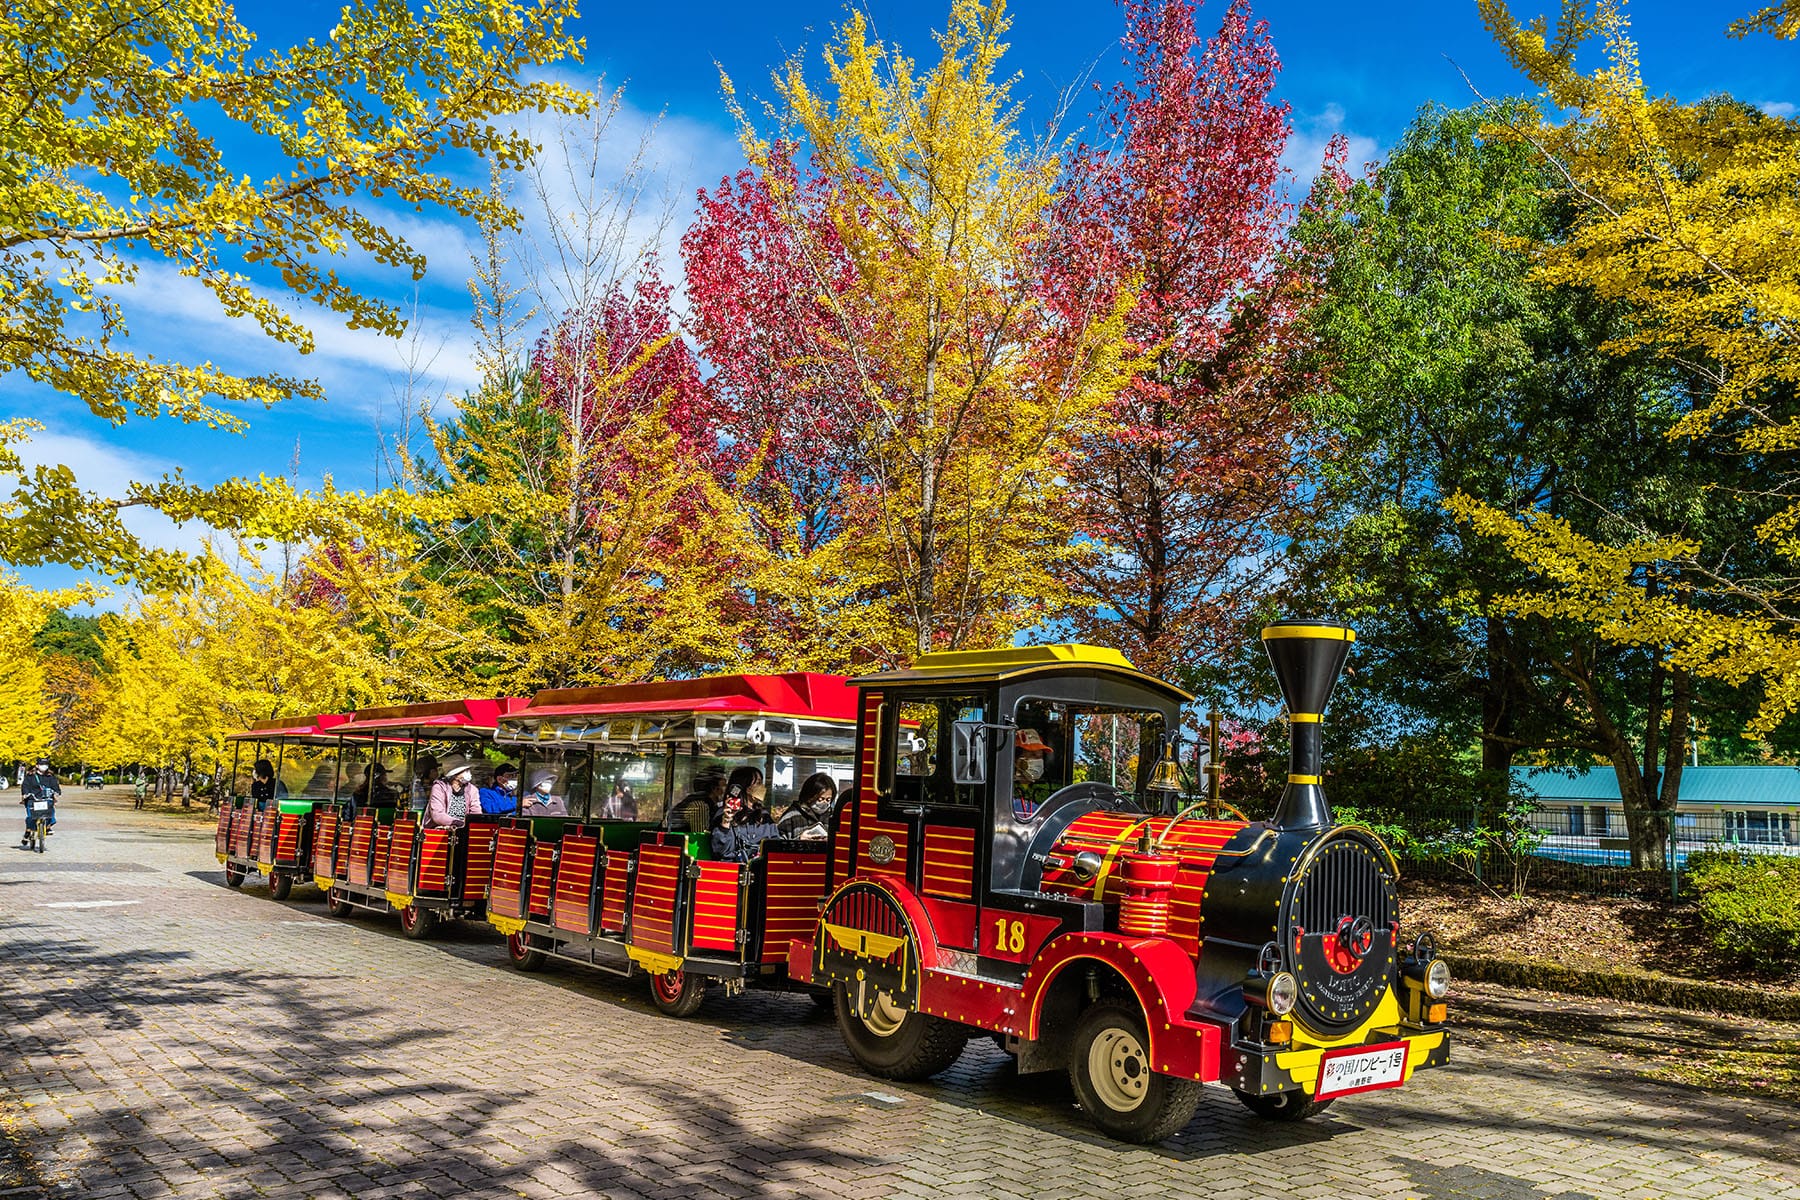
186	1040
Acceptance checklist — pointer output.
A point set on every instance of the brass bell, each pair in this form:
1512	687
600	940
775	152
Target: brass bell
1167	775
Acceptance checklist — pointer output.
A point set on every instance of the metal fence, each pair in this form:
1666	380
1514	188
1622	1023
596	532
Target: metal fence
1584	848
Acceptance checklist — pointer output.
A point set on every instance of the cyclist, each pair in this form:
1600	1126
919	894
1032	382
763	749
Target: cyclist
39	783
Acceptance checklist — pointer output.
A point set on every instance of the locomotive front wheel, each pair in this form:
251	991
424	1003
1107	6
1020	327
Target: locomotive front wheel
677	993
280	886
1283	1106
234	875
417	923
520	953
1109	1068
336	905
898	1043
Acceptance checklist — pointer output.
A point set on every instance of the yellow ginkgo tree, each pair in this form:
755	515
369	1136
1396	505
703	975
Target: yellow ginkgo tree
143	143
920	223
1687	216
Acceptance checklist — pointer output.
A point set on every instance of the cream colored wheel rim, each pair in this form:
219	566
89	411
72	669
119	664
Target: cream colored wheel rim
886	1018
1120	1070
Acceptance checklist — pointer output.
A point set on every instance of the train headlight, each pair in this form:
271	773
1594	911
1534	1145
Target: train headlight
1437	979
1276	992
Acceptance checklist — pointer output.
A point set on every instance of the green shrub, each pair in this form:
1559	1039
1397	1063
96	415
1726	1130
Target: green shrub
1750	905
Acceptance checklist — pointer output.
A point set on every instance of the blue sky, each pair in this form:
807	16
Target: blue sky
1360	70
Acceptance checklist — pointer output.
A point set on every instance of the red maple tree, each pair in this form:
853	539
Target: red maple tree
783	390
1182	493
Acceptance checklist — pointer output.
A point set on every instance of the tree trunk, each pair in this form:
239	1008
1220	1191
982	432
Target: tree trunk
1498	717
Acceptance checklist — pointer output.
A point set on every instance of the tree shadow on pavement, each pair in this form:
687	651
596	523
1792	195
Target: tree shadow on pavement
132	1071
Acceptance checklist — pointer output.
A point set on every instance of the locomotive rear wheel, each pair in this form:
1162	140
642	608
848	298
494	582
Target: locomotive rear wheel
417	923
336	905
898	1043
1109	1068
520	953
234	875
280	886
677	993
1283	1106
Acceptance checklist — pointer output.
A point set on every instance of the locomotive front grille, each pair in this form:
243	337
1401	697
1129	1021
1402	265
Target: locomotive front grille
1339	927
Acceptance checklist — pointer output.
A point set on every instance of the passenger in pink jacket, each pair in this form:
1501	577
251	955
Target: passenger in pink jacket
453	796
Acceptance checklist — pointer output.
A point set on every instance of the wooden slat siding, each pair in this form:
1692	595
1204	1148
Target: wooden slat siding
574	883
434	860
506	890
868	825
287	840
240	831
653	891
478	863
222	831
325	828
399	866
384	836
794	884
543	871
340	864
950	862
612	900
362	844
843	846
716	906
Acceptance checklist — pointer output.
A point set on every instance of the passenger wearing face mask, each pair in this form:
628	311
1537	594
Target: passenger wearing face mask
503	798
541	800
1031	755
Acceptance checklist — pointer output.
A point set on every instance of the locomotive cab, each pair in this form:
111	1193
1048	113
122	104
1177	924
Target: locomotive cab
1006	866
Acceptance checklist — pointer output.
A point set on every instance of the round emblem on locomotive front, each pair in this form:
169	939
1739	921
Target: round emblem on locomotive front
881	849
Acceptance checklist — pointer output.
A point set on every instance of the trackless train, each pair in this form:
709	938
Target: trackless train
1010	856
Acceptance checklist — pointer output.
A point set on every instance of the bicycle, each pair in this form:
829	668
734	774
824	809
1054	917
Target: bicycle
38	831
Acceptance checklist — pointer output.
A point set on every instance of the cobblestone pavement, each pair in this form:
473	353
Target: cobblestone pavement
165	1036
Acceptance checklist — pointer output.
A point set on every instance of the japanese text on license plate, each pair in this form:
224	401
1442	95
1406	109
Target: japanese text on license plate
1361	1069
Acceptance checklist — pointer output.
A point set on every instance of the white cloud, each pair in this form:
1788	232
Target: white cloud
1778	108
1305	151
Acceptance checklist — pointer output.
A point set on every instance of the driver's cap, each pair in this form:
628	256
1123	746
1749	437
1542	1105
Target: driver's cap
1028	739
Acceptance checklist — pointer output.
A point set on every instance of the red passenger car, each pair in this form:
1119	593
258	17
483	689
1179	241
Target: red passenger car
606	871
372	850
272	832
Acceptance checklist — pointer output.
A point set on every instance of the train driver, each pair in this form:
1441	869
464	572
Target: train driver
1031	759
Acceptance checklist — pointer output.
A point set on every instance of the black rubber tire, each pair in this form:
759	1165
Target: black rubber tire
678	993
520	954
337	906
1165	1104
280	886
234	876
418	923
1283	1106
920	1047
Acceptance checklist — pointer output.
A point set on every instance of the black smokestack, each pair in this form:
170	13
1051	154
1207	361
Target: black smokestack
1308	657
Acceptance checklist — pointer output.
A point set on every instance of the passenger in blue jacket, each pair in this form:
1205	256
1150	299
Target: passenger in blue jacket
743	824
503	797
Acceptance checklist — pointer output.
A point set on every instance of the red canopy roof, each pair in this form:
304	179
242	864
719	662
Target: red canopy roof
794	694
325	724
471	714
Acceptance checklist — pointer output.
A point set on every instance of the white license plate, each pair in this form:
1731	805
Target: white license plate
40	808
1361	1069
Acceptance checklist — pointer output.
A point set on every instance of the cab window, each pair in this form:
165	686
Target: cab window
919	734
